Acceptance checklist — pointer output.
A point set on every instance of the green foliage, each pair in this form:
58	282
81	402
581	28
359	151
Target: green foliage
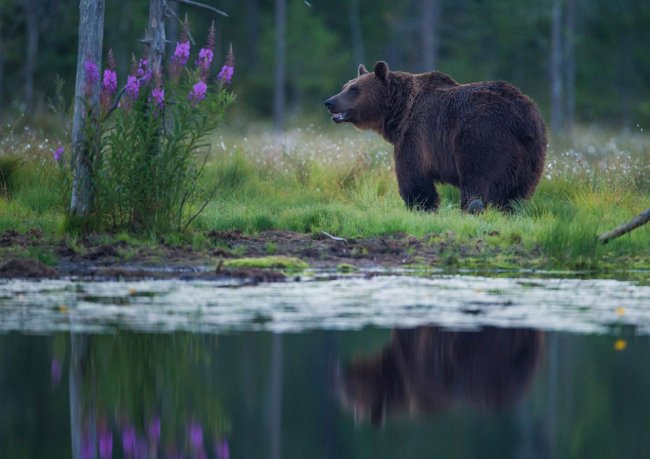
147	174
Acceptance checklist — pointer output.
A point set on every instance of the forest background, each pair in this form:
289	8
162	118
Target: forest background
582	61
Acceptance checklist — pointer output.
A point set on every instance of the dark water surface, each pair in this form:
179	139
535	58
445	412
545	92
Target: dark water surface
459	387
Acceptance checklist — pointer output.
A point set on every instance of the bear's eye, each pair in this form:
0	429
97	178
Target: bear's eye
354	90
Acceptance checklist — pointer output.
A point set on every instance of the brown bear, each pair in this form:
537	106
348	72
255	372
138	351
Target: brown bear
427	370
486	138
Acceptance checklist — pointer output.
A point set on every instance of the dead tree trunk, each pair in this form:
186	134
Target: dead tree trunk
556	67
279	100
570	64
31	25
641	219
253	32
429	33
155	38
86	104
357	33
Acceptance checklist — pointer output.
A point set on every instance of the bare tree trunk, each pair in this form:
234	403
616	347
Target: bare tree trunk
86	104
172	27
358	47
625	73
155	38
570	63
253	26
279	102
429	33
31	24
556	67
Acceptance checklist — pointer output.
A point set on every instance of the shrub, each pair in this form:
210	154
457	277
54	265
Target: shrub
149	153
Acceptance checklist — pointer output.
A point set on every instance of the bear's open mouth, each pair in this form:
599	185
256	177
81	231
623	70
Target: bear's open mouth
339	117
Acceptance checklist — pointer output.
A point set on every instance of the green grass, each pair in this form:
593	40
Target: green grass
342	182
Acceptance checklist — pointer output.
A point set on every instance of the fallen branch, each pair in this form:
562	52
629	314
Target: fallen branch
334	238
201	5
637	221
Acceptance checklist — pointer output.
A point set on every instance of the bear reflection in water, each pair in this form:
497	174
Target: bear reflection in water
425	370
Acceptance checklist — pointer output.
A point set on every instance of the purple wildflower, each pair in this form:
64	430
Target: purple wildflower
58	155
128	440
225	75
210	42
182	53
158	95
204	60
92	75
109	82
153	432
132	86
198	92
105	444
222	450
144	72
196	436
87	446
55	368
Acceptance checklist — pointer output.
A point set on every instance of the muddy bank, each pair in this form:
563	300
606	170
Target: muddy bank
103	256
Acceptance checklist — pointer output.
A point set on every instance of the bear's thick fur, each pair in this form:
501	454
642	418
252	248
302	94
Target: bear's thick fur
486	138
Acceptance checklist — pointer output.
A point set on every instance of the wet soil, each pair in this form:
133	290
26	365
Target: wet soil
103	257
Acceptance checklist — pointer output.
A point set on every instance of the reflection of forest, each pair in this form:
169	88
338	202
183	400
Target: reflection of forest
427	369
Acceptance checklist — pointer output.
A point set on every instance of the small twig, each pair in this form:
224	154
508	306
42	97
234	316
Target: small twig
335	238
637	221
201	5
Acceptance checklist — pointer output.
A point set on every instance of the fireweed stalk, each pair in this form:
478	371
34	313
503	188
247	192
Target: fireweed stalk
153	145
109	83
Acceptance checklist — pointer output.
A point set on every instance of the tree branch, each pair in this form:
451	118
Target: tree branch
201	5
637	221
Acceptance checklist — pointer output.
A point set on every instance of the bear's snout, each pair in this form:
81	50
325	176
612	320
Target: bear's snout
338	115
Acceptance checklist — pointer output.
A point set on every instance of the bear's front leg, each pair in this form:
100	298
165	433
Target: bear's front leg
415	187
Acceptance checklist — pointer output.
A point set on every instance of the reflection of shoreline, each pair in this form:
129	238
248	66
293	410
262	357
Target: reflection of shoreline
427	369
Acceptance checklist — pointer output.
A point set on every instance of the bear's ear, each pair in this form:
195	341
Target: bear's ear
362	69
381	70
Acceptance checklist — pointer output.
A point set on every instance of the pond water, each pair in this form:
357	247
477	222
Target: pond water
355	367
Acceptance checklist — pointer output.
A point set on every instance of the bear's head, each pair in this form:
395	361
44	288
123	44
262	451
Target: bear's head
361	100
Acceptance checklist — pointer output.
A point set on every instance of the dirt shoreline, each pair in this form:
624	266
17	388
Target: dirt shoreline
214	254
32	255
